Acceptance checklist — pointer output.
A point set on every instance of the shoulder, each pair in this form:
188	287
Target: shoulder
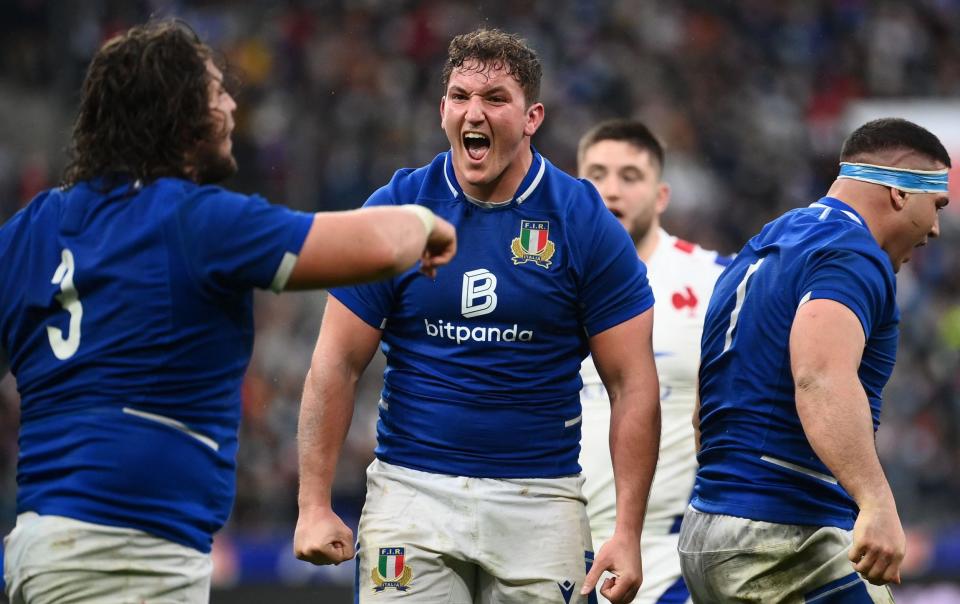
569	186
408	185
191	201
848	238
692	257
570	196
27	215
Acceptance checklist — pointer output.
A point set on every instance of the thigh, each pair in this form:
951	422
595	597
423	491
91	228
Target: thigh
412	539
735	559
830	579
54	559
534	543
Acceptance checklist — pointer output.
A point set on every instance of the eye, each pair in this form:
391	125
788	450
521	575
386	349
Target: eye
595	175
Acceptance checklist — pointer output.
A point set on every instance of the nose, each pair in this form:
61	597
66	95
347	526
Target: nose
609	189
231	103
935	229
474	113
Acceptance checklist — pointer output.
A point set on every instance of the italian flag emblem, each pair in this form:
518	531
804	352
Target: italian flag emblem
533	244
533	236
391	563
391	571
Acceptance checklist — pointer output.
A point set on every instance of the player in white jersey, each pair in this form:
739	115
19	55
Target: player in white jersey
625	162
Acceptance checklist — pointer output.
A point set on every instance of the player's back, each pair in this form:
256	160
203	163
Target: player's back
100	306
755	461
126	315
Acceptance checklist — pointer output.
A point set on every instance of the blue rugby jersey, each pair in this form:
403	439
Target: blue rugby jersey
482	363
755	460
127	318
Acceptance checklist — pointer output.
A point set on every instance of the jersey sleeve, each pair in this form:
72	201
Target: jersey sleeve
614	286
372	302
855	278
240	242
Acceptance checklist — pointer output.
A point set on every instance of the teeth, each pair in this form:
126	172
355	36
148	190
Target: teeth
474	135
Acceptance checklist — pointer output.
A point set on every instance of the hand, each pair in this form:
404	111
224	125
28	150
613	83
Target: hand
440	249
322	538
878	544
622	558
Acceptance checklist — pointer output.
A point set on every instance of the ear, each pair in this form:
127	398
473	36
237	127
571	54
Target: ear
443	104
663	198
534	119
898	199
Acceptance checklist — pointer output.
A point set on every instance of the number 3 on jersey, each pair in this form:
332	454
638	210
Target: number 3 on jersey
741	296
66	347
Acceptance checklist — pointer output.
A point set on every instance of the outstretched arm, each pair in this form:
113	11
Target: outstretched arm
344	348
826	345
371	243
624	358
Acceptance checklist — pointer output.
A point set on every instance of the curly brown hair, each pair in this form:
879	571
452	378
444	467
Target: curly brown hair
144	106
495	49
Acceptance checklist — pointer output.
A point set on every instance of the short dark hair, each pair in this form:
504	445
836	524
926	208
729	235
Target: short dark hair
144	106
494	49
890	134
633	132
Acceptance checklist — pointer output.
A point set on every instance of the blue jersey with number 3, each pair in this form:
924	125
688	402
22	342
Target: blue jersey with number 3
755	460
127	319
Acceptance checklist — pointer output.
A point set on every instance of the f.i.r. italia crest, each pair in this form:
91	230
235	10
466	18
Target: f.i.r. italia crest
391	571
533	244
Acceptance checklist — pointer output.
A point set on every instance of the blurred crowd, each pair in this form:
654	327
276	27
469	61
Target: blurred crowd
750	97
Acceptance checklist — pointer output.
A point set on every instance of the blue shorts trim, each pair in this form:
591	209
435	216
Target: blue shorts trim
675	594
356	576
845	590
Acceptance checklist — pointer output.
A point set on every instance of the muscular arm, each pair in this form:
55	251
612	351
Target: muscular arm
624	358
371	243
826	344
344	348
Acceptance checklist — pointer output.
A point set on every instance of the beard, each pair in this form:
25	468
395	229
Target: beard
211	164
641	226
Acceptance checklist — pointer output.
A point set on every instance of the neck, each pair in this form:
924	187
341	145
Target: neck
648	243
868	200
504	186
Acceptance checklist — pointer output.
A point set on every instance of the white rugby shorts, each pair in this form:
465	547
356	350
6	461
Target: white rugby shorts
437	538
57	560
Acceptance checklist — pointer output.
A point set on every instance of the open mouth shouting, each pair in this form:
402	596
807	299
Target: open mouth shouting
476	144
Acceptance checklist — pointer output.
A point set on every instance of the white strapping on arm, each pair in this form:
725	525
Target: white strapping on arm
427	217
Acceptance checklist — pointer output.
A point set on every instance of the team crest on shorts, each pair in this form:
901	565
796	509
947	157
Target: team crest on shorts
391	570
533	244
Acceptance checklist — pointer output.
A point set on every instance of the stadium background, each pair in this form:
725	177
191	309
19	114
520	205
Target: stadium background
752	98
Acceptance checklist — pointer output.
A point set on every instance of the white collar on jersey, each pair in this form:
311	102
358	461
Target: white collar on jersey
827	210
495	204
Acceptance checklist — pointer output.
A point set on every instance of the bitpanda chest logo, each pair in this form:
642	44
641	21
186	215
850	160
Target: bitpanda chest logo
533	244
478	297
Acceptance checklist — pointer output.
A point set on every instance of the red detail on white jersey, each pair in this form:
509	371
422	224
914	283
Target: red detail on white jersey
681	301
684	246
